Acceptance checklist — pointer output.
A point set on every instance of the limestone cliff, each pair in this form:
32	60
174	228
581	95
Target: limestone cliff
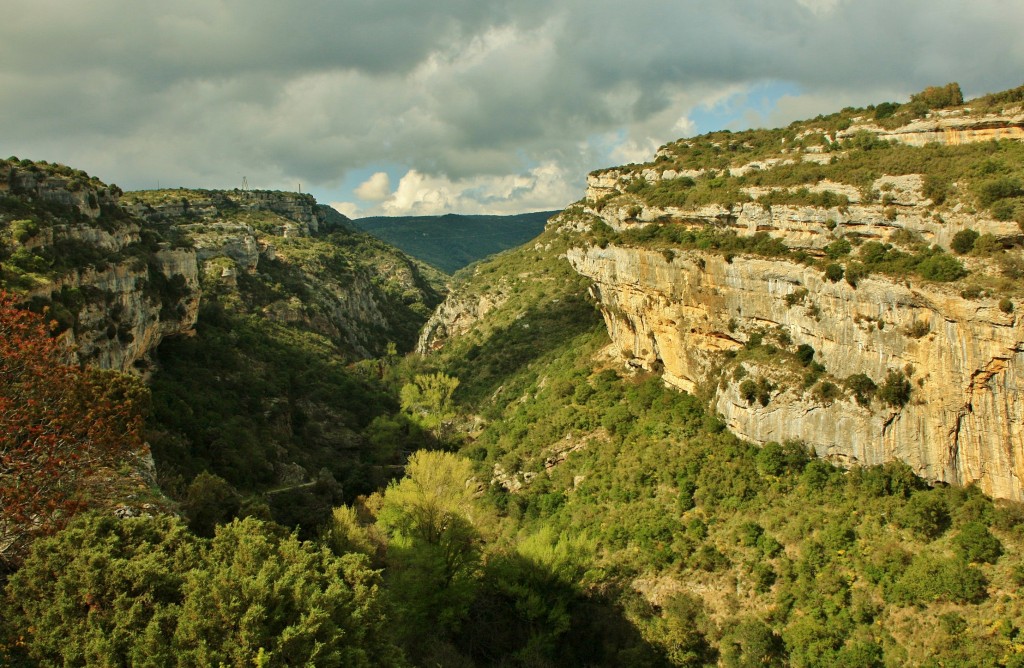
115	290
282	257
729	324
120	272
455	316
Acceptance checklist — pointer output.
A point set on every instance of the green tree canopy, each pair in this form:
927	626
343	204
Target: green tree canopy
144	591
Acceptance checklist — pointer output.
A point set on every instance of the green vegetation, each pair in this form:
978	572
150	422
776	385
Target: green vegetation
113	591
514	498
452	241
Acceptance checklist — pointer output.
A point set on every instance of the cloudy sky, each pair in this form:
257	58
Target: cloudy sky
405	106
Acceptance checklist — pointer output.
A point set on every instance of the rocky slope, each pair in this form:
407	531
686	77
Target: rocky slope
727	318
115	289
248	312
285	258
122	272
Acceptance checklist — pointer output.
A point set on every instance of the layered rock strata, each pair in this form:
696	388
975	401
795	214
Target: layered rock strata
697	316
965	419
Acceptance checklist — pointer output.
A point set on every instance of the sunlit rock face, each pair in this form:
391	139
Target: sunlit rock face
963	422
691	315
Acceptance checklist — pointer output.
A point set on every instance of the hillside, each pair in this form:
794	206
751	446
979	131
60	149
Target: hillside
884	245
716	550
244	311
714	414
452	241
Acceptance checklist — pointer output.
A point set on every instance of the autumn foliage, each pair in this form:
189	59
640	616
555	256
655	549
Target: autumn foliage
60	426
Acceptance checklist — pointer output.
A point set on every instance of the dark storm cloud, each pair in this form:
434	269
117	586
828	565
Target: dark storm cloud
202	92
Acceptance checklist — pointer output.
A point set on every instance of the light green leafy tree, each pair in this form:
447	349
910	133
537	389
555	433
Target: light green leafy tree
433	529
428	400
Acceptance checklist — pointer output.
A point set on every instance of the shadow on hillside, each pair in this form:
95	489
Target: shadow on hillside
527	614
537	332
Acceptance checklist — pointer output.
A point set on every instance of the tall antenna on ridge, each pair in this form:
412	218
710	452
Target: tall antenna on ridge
245	183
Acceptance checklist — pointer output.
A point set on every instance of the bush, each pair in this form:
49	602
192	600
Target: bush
826	392
895	391
963	241
759	390
885	110
926	514
805	353
939	97
976	543
838	248
855	271
992	190
136	591
935	188
833	272
932	578
862	387
941	267
918	329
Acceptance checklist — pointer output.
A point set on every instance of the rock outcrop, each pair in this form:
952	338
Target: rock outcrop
120	272
456	315
948	363
964	421
116	296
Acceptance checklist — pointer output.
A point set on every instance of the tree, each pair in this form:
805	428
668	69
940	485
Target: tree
104	591
210	501
975	543
833	272
895	391
926	514
433	553
939	97
428	400
963	241
288	602
145	591
59	425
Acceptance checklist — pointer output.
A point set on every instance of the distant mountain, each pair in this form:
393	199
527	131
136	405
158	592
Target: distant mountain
452	241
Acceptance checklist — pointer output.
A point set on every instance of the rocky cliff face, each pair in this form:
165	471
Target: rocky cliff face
122	272
282	256
729	325
71	247
685	316
124	310
455	316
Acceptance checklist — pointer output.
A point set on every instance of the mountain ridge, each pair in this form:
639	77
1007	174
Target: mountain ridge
452	241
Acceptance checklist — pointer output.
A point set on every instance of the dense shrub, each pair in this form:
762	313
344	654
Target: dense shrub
805	353
963	241
939	97
976	543
895	390
862	387
108	591
941	267
833	272
932	578
926	514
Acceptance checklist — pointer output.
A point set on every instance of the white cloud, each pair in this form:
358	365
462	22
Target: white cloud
684	127
471	95
819	6
377	188
545	187
347	209
634	151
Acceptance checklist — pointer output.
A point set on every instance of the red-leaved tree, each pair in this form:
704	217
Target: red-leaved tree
60	426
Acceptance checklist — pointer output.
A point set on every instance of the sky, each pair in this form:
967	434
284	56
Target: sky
403	107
